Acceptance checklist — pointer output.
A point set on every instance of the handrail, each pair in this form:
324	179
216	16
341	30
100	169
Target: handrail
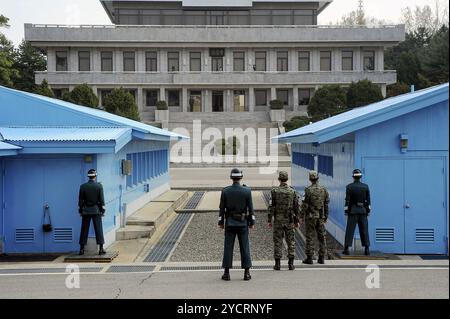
393	26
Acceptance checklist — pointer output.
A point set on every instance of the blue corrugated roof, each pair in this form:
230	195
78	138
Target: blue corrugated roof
60	134
362	117
108	118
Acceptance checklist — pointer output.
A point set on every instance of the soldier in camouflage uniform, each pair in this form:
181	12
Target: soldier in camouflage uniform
284	208
315	211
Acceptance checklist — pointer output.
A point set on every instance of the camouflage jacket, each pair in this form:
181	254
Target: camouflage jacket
315	203
284	206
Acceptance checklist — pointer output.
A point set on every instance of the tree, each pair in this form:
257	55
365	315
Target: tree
44	90
82	95
296	122
4	21
398	89
7	72
122	103
28	61
435	57
363	93
329	100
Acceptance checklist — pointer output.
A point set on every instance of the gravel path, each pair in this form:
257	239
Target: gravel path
203	241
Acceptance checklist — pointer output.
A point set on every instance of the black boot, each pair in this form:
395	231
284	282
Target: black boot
101	251
291	264
308	260
277	264
247	275
367	251
321	260
226	275
81	253
346	251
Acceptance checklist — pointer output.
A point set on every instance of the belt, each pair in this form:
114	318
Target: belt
360	204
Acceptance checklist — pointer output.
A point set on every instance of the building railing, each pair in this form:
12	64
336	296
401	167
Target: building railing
391	26
219	72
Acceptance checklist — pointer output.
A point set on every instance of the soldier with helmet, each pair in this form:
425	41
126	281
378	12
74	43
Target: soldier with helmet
284	209
236	217
91	206
357	209
315	212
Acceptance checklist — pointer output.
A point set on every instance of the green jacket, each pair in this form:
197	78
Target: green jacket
91	200
315	204
284	206
236	200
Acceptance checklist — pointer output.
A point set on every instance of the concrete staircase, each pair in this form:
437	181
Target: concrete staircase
144	222
221	122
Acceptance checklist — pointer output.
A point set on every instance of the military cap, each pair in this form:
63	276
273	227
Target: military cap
236	173
283	175
92	173
313	175
357	173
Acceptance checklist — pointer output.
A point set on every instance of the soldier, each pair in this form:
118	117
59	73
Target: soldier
357	209
91	206
315	211
284	208
236	216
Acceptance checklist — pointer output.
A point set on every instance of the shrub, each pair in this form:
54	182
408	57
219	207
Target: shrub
82	95
276	105
296	122
122	103
161	105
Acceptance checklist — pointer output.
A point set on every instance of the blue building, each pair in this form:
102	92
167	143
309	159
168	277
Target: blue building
401	144
46	148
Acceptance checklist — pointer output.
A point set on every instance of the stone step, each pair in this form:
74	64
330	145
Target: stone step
134	232
220	117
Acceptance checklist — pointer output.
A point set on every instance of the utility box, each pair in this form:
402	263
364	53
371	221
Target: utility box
127	167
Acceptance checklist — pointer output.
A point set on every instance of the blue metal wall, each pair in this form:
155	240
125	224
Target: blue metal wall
417	178
343	163
1	204
115	184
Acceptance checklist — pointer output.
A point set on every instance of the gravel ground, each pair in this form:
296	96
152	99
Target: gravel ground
203	241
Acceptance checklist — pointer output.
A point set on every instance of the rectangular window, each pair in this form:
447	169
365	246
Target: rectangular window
261	97
303	160
261	17
195	61
151	17
282	17
347	60
107	61
304	62
325	165
216	64
194	17
61	61
238	18
283	95
239	61
84	61
173	97
172	17
129	61
369	60
173	61
304	96
151	97
216	17
151	61
304	17
325	61
282	61
260	61
195	101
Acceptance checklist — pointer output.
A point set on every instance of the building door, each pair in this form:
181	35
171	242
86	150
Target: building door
425	211
195	101
217	101
239	100
31	186
408	202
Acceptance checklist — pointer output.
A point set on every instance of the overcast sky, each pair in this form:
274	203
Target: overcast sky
91	12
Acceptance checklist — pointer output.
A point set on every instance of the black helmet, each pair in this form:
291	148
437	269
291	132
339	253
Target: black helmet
357	173
92	173
236	174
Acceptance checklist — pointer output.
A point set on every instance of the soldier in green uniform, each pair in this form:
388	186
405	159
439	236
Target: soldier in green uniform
357	209
284	208
91	206
236	217
315	211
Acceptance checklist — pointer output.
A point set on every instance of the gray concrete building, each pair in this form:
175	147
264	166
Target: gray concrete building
205	56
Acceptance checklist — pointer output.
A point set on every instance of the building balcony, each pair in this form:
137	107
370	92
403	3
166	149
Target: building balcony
214	78
191	36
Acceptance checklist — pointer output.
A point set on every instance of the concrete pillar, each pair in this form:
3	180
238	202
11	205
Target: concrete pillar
140	99
185	100
184	61
206	61
379	65
295	101
162	94
251	99
358	59
273	94
250	58
384	90
336	60
118	61
140	61
163	61
228	60
73	60
315	60
96	61
272	56
207	106
51	60
293	61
